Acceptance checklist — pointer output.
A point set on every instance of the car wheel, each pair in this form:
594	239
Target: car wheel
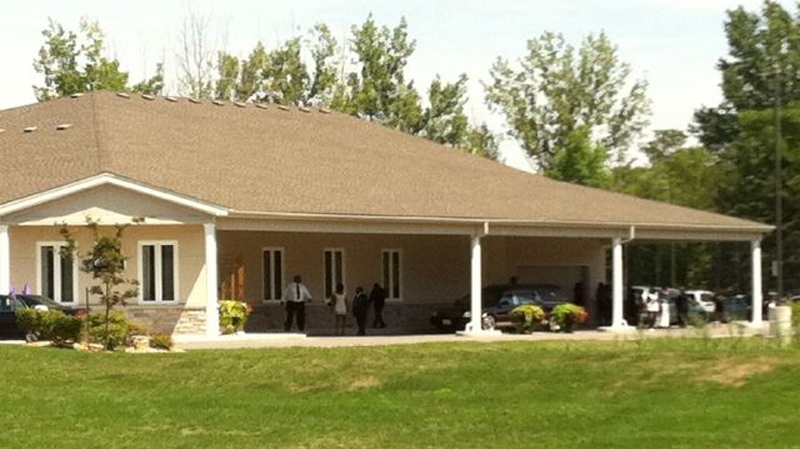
488	322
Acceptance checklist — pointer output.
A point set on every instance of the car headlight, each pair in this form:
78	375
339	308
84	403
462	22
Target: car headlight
466	314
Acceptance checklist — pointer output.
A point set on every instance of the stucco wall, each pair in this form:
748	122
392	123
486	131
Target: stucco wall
191	259
436	269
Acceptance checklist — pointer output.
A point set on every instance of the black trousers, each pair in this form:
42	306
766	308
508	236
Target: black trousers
295	309
378	306
361	320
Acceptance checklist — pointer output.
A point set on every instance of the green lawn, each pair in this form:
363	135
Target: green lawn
653	394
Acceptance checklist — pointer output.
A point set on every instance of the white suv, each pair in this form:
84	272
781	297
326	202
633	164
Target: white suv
702	298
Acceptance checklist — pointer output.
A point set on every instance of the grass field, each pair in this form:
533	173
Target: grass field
653	394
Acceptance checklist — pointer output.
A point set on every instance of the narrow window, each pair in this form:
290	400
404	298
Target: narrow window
392	273
273	273
158	271
334	270
56	275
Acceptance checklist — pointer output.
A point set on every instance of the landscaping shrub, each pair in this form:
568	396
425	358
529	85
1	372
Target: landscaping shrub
161	341
527	318
795	314
113	335
233	316
53	325
567	316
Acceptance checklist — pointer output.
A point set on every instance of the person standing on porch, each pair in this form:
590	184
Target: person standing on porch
338	301
296	295
360	309
377	297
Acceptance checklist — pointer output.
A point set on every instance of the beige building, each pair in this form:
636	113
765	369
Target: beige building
236	199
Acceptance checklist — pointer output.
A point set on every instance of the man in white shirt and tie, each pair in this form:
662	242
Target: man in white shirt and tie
295	296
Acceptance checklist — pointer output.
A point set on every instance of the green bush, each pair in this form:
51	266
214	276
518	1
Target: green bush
53	325
233	316
795	314
161	341
567	316
111	336
527	318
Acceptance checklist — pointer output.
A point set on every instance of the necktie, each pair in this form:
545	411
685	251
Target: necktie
297	286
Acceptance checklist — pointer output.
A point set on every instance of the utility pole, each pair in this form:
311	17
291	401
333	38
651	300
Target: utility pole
778	186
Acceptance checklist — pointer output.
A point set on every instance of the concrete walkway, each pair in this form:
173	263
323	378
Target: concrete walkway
285	340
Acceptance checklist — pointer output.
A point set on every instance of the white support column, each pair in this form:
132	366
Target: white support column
616	283
757	292
476	290
212	301
5	260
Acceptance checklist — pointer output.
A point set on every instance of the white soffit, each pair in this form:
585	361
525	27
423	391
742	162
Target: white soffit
108	179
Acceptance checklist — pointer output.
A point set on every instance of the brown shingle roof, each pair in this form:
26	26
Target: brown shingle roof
249	159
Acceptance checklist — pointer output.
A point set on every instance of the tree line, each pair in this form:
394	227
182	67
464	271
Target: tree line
576	111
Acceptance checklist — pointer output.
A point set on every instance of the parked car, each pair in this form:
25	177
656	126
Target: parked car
498	301
455	317
10	305
702	298
544	296
737	308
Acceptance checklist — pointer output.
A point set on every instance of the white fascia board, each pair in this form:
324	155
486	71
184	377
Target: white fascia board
108	179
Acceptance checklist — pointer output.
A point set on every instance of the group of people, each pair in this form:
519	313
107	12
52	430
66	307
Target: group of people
296	295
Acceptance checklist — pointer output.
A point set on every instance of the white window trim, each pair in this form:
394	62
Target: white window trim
56	273
157	270
344	272
283	272
399	277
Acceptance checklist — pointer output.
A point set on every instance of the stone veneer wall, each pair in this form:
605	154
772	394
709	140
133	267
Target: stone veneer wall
169	319
400	319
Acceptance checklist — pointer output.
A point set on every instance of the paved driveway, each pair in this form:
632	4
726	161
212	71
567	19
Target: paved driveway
283	340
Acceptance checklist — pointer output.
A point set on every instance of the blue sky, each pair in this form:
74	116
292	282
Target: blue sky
673	44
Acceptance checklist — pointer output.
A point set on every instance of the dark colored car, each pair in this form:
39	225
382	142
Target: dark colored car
498	302
544	296
9	306
457	316
737	308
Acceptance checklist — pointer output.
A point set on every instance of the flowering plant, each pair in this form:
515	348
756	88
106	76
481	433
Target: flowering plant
233	316
527	317
566	316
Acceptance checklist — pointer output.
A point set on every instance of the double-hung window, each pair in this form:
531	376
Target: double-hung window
272	264
334	270
392	273
158	271
56	276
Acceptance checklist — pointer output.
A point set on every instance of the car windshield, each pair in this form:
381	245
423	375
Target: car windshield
550	294
34	300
